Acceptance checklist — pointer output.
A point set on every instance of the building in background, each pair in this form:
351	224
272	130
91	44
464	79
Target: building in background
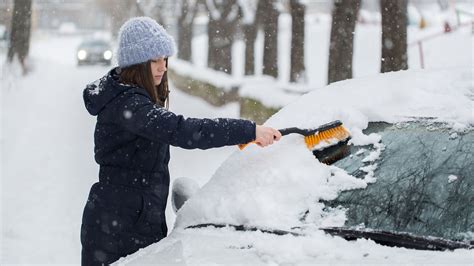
81	14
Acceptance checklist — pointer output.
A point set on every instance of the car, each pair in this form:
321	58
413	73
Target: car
94	51
400	191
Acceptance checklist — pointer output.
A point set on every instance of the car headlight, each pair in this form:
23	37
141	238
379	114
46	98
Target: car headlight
81	54
107	55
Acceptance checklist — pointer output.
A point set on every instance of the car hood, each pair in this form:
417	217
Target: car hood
226	246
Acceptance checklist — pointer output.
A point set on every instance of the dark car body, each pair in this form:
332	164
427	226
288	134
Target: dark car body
94	51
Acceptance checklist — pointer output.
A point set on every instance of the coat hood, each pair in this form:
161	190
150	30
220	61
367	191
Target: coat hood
102	91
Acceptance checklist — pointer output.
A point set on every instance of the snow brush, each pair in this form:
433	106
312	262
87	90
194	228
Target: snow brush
327	142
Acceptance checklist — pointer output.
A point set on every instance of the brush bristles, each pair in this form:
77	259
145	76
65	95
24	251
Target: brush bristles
339	133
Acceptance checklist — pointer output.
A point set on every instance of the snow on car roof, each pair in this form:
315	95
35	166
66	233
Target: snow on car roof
446	95
276	186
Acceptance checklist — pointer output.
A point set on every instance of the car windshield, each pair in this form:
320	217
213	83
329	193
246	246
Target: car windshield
424	182
94	44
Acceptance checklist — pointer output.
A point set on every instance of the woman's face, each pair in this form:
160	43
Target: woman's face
158	69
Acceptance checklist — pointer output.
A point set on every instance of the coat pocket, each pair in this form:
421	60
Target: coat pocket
152	221
141	213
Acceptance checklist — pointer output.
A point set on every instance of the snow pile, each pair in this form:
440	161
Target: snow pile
275	187
216	78
270	187
271	92
266	89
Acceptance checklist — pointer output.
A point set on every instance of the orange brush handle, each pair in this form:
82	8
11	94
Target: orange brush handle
242	146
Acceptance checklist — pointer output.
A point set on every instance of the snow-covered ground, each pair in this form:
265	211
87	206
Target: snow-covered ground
47	164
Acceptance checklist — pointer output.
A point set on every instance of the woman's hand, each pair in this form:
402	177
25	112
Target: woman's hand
266	135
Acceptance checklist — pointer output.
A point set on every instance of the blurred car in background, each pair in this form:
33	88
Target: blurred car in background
94	51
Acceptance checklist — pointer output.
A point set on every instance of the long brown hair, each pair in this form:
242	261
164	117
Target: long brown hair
141	75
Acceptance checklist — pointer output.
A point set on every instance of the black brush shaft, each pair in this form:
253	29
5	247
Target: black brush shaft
290	130
308	132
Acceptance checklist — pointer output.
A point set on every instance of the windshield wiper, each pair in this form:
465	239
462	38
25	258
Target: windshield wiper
397	239
387	238
245	228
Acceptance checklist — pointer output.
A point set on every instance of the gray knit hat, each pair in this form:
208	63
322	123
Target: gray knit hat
142	39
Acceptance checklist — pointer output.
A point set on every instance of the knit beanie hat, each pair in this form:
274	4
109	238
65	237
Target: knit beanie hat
142	39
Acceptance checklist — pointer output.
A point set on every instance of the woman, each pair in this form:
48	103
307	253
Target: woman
125	210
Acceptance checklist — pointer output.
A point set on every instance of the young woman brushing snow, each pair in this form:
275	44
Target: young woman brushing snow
125	210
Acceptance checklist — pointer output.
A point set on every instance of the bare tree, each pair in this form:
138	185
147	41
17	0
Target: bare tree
155	9
221	29
344	17
394	35
248	10
121	11
20	32
187	13
297	71
267	16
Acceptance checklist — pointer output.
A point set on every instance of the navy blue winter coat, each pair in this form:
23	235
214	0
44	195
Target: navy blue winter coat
125	210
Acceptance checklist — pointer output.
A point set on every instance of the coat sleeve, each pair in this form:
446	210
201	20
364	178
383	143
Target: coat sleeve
139	115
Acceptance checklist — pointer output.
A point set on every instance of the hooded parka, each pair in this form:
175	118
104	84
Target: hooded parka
125	210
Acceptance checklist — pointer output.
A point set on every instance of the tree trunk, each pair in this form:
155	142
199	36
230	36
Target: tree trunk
20	32
297	71
394	35
344	17
185	30
120	14
221	31
212	29
185	37
268	16
120	11
223	44
249	27
250	35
